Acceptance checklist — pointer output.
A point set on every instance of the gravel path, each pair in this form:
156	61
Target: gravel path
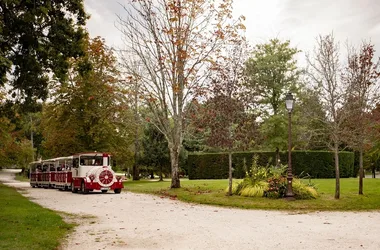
134	221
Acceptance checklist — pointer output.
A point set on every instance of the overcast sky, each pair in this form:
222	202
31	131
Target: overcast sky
300	21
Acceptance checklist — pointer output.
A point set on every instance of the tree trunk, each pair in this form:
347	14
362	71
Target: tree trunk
152	174
230	173
136	172
337	177
361	171
373	172
174	160
161	177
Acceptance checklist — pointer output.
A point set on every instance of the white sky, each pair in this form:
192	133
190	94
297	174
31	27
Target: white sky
300	21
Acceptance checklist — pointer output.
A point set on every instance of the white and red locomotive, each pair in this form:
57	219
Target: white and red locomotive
83	172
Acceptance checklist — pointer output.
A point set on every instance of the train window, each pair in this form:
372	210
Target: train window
52	168
91	160
39	167
69	165
75	162
45	168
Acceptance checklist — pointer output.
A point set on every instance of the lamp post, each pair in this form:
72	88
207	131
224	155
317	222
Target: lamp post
289	103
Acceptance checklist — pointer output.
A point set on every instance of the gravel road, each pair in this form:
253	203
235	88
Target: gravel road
136	221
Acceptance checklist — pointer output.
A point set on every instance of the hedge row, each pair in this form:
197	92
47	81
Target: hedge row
318	164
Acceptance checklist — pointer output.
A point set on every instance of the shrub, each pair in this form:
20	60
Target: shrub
261	181
318	164
257	190
234	187
303	191
256	173
276	187
254	184
270	182
208	166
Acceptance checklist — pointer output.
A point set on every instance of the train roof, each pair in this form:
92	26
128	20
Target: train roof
69	157
35	162
92	153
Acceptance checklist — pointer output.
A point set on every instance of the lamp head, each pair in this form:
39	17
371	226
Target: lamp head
289	102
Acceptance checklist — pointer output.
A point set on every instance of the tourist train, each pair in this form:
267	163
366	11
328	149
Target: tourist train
84	172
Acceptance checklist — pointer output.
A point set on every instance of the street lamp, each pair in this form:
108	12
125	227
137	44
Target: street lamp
289	103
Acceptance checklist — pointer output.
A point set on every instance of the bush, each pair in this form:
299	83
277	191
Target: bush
255	191
321	164
208	166
318	164
270	182
276	187
234	187
302	191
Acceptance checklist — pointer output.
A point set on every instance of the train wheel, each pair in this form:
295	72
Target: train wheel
117	190
83	189
73	189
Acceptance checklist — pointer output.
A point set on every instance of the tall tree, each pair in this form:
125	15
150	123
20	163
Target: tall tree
156	151
325	72
222	118
15	149
37	38
362	75
374	152
270	73
90	111
15	133
177	43
310	118
133	88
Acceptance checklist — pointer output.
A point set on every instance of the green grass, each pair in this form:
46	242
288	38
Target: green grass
21	178
212	192
26	225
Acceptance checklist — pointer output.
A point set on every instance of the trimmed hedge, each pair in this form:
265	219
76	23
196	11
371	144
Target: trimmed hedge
318	164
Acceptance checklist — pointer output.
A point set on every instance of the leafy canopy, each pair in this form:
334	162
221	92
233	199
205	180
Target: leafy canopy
37	37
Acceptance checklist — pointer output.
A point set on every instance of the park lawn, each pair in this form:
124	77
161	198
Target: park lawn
21	178
26	225
212	192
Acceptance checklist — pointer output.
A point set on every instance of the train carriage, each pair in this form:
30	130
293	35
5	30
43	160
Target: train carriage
63	167
84	172
35	168
48	173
